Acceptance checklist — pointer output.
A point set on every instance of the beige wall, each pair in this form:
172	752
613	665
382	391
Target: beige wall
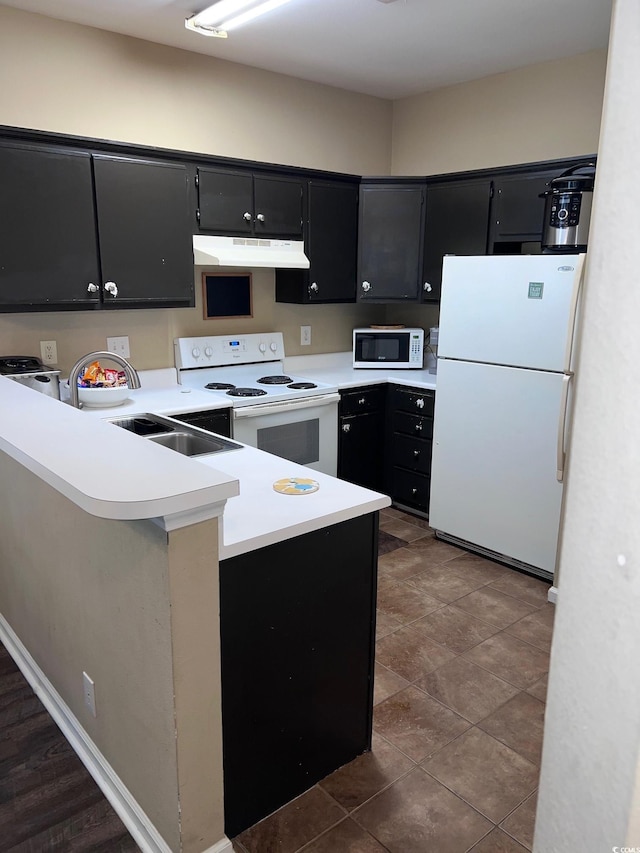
120	601
541	112
79	80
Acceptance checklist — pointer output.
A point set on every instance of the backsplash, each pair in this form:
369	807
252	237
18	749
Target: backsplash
151	332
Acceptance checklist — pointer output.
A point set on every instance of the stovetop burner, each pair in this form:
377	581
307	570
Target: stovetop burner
246	392
11	364
220	386
274	380
301	386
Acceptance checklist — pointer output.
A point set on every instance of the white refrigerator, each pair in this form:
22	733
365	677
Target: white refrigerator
505	368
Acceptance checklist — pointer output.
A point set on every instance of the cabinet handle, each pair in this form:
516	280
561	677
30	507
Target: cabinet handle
246	216
362	401
260	217
346	427
416	453
112	288
420	403
313	287
426	286
92	288
419	427
414	491
366	286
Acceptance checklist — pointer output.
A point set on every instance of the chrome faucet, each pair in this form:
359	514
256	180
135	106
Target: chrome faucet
133	380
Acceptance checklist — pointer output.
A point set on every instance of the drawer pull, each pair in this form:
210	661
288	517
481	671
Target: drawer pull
346	427
416	453
419	427
414	491
362	401
420	403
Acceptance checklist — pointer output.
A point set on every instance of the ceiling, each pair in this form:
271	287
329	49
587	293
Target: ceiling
386	48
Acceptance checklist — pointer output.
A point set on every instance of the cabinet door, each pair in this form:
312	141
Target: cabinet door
457	223
361	449
143	226
277	207
225	201
332	242
48	249
517	211
391	231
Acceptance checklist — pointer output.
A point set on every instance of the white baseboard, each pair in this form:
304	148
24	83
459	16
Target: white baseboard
126	807
552	595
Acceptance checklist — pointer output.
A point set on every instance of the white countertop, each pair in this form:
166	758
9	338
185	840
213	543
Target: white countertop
115	474
337	369
105	470
260	516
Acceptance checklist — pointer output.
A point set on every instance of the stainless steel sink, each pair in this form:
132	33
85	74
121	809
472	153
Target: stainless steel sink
191	444
183	439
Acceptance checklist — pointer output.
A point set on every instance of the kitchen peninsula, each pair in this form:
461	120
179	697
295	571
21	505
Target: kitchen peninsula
109	567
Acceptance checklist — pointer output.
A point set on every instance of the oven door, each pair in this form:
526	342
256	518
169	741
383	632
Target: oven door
304	431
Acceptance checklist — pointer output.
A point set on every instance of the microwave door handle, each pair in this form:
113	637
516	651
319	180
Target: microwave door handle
257	411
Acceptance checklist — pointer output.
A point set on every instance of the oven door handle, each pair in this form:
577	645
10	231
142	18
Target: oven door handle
260	409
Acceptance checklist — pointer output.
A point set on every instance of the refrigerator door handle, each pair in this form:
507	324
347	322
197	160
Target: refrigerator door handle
573	310
562	422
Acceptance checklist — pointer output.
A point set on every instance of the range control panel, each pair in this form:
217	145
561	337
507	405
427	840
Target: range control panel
222	350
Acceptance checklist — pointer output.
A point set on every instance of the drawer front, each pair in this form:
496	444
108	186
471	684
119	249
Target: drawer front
412	453
362	400
415	425
413	400
409	488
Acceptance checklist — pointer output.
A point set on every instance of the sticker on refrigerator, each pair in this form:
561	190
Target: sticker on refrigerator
535	289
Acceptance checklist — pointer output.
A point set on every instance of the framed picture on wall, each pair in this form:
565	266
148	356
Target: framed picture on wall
226	295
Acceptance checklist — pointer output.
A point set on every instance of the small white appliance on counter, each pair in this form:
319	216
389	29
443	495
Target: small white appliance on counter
388	347
505	365
273	411
29	370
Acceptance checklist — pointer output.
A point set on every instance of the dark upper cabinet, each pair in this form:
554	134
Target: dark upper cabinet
82	231
48	241
144	232
390	238
256	205
517	211
331	239
457	223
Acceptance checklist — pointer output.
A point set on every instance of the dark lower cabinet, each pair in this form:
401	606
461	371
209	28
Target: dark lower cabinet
361	436
410	433
297	634
215	420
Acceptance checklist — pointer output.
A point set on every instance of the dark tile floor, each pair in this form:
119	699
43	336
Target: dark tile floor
461	671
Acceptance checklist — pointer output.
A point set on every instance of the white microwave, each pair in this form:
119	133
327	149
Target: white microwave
388	348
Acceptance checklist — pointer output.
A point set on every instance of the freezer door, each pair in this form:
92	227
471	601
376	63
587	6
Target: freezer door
493	473
512	310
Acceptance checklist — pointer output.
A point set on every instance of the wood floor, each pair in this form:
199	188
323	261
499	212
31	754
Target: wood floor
48	800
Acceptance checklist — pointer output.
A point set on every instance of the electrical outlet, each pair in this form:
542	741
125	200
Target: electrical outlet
89	690
119	345
49	352
305	336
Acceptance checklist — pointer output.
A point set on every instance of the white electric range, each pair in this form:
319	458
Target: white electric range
274	411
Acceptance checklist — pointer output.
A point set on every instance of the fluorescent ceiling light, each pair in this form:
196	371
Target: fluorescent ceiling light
229	14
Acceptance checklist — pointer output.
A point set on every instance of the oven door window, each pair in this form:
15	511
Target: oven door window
298	442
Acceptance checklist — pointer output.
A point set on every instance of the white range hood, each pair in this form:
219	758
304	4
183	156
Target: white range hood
249	252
